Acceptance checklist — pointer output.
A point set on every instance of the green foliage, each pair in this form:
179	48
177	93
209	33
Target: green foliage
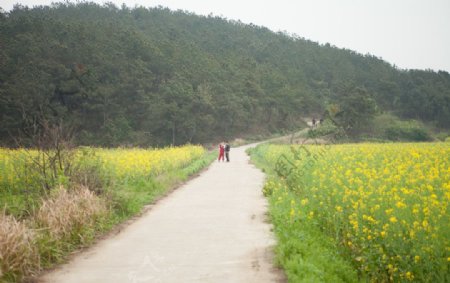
391	128
302	250
325	129
144	77
407	131
442	136
355	110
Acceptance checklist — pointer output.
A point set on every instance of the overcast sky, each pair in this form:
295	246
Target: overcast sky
412	34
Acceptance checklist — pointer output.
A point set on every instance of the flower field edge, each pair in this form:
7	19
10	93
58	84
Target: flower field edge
385	206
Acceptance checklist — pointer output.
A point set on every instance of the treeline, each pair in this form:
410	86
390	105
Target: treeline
121	76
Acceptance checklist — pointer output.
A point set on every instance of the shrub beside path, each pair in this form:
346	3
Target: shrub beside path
212	229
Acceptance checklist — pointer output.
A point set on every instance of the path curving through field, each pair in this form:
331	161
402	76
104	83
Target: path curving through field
212	229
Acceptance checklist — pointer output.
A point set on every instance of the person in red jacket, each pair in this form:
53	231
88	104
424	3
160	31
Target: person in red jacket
221	151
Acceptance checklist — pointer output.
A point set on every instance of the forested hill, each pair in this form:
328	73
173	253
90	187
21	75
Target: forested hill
121	76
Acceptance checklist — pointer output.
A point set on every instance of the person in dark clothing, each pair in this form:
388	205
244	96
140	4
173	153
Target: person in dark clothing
227	151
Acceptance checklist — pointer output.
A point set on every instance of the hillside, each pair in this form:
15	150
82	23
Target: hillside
120	76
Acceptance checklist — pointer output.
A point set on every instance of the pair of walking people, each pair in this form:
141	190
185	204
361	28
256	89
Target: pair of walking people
224	151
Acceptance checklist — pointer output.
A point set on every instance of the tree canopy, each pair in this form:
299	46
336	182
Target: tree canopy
140	76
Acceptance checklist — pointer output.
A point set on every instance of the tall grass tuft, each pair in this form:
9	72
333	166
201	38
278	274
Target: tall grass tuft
19	255
66	219
68	210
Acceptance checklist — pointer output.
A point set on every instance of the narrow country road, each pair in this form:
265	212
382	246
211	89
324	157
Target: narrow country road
212	229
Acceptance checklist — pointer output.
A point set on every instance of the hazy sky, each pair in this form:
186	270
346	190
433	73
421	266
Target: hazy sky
412	34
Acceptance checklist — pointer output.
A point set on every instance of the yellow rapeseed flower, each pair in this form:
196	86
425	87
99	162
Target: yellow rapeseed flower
409	276
400	204
416	259
392	194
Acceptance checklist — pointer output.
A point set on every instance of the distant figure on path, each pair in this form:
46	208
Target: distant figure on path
221	151
227	151
314	122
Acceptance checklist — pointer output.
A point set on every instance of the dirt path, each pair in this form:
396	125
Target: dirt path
212	229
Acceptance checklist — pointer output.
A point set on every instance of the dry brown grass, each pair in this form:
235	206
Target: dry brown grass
19	256
66	211
62	218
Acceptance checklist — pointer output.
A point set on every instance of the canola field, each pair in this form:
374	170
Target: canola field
23	172
141	162
120	162
385	205
53	202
